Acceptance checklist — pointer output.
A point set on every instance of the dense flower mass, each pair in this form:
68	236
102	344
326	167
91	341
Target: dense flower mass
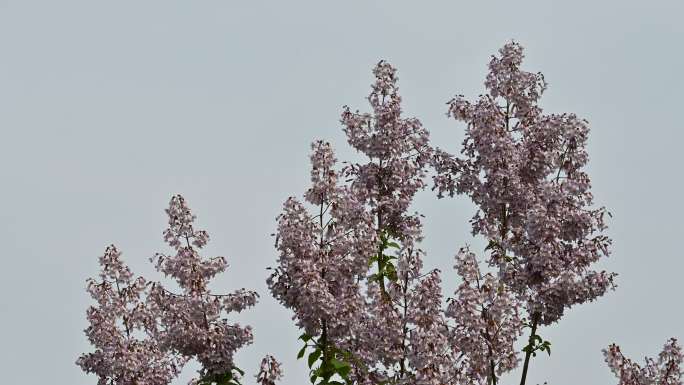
487	323
428	348
322	254
122	330
398	151
403	322
144	334
666	370
351	270
524	170
191	322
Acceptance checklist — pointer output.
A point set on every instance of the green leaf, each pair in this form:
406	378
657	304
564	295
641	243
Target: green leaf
372	260
313	379
393	244
344	371
491	245
242	372
305	337
314	356
383	238
391	271
301	352
338	364
389	267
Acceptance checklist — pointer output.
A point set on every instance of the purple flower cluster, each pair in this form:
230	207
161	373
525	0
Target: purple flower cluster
349	266
351	269
398	154
322	254
191	321
525	172
666	370
487	323
401	331
123	330
144	333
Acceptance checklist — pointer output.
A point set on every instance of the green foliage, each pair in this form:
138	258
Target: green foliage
331	361
386	268
227	378
537	344
496	245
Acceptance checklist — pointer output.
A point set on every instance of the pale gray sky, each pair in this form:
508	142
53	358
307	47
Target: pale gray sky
108	108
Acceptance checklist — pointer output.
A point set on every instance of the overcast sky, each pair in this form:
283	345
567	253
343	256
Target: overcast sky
107	108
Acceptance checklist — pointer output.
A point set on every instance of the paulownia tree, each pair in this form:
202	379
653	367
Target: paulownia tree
525	171
123	329
144	333
349	264
351	269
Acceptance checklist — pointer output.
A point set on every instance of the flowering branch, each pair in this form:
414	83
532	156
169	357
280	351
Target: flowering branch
144	333
524	171
666	370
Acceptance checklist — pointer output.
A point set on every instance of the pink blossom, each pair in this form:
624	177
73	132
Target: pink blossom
192	323
487	322
666	370
122	329
349	266
398	153
524	171
322	254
